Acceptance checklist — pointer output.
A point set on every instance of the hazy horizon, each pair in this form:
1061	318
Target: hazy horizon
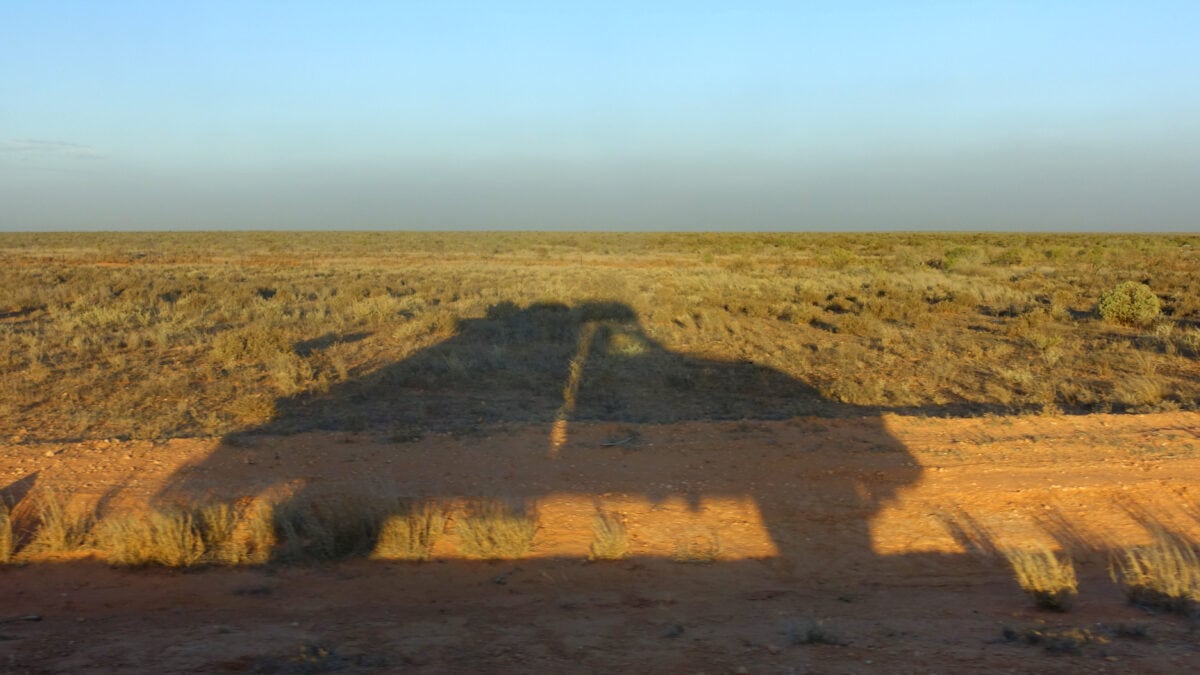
856	116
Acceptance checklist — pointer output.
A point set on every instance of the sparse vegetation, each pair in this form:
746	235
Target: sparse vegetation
1048	578
1130	304
610	541
495	529
1163	575
1054	640
97	328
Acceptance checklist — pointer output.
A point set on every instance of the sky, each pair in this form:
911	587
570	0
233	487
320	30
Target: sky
784	116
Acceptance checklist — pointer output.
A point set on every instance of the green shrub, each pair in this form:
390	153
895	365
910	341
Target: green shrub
1130	304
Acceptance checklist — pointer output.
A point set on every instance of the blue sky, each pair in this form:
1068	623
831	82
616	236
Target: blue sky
614	115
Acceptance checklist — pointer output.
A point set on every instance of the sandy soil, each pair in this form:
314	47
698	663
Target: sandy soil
848	545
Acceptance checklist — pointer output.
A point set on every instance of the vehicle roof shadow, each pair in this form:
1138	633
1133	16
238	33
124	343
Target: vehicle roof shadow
549	399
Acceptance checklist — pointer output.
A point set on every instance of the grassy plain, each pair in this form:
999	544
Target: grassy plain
157	335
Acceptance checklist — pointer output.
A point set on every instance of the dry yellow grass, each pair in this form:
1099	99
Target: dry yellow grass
63	526
1164	574
7	541
610	541
217	534
171	538
412	533
1047	577
95	329
493	529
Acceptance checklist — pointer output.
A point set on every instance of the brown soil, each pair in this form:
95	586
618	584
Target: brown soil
877	538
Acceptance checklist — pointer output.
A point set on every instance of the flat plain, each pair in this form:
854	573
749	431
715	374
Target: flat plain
812	452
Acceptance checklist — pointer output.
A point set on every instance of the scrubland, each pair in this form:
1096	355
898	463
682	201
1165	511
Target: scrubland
154	335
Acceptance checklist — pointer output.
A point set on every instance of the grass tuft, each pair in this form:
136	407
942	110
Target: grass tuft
170	537
256	532
330	528
8	542
1164	575
610	541
218	526
62	528
1046	577
493	529
411	533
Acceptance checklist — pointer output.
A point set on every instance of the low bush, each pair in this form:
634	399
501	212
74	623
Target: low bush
1130	304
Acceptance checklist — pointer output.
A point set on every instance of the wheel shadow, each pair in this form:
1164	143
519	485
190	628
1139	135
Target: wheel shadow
615	413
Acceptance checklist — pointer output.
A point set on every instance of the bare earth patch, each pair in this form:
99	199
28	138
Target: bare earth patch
833	545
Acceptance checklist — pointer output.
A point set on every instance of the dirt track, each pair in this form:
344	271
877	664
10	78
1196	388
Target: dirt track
880	535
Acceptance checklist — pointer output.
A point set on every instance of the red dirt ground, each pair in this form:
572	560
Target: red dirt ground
878	535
